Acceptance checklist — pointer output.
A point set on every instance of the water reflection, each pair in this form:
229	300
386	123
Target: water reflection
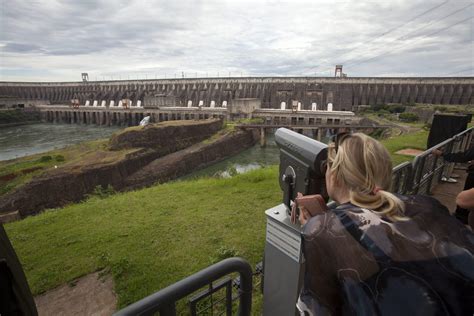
250	159
24	140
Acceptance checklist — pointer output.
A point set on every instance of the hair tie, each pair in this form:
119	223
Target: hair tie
376	189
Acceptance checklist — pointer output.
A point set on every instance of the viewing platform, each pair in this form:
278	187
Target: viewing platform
446	192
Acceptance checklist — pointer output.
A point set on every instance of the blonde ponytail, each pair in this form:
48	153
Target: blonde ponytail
383	203
364	167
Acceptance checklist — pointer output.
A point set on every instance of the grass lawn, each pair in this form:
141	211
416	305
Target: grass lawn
416	140
149	238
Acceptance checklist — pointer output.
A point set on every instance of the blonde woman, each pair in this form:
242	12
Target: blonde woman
378	253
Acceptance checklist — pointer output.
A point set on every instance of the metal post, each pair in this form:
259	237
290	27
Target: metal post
262	137
163	299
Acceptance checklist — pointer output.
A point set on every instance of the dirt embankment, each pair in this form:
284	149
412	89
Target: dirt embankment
169	136
167	151
192	158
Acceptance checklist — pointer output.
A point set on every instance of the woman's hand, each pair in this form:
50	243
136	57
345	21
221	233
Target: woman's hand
304	215
307	207
437	152
293	208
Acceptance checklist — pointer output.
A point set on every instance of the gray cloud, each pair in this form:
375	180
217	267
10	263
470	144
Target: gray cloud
22	48
157	38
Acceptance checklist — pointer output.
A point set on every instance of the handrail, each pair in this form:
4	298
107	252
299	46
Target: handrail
164	300
422	171
401	178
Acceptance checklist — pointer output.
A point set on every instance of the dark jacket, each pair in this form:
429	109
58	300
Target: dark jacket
359	263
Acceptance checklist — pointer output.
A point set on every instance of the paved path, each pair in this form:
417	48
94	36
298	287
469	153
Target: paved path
91	295
446	192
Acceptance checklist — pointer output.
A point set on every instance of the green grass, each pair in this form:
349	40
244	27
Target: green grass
23	171
416	140
149	238
228	128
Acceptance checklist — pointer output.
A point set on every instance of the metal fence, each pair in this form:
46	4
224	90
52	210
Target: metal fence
422	174
164	301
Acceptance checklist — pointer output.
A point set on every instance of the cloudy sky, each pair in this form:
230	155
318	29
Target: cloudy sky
52	40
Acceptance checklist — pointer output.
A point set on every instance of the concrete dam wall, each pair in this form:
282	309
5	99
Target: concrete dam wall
343	93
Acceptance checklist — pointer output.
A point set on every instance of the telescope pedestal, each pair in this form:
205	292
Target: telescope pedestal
283	264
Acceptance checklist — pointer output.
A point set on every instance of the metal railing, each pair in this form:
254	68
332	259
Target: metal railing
164	301
401	177
422	174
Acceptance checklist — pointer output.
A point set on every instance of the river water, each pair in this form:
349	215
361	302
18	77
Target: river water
250	159
24	140
32	139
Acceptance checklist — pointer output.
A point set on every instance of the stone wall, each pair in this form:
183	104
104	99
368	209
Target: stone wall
342	92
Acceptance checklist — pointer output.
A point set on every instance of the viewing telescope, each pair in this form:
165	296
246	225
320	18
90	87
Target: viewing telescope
302	169
302	165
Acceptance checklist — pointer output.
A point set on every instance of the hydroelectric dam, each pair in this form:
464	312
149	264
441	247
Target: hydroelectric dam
342	93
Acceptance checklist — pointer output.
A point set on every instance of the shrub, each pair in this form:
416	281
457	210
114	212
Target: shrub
233	171
440	108
101	192
383	113
59	158
397	109
377	133
379	107
45	159
408	117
